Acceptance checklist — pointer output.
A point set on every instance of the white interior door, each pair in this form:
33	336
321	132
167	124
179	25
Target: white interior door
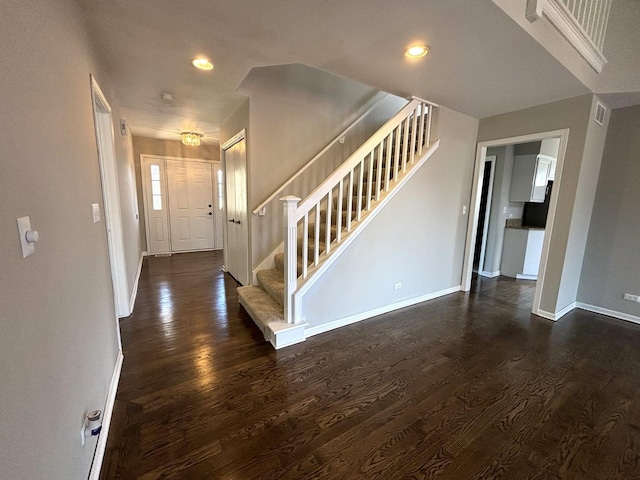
237	247
156	215
190	186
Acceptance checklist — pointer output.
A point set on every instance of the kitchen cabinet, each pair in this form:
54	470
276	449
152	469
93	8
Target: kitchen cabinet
529	179
521	252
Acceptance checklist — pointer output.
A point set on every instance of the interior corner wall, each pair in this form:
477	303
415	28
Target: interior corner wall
59	342
163	148
612	265
417	239
566	248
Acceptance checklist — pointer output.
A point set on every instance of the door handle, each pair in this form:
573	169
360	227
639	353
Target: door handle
238	222
232	220
210	213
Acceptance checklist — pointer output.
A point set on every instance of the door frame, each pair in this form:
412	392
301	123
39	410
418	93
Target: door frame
485	231
481	153
238	137
145	192
105	143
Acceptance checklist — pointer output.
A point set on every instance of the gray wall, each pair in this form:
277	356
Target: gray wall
58	345
417	239
163	148
575	199
612	264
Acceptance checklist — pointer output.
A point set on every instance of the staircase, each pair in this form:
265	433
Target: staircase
319	228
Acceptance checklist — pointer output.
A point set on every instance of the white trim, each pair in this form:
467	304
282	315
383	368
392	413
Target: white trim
609	313
348	237
101	446
481	153
555	316
485	231
484	273
134	289
325	327
238	137
561	18
524	276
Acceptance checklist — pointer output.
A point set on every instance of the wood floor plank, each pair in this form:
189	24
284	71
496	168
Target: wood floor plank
465	386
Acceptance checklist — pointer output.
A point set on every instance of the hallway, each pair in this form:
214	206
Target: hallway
465	386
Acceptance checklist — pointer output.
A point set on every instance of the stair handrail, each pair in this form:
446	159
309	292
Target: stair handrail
411	136
279	190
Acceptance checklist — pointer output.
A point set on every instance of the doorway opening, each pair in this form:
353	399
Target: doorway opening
111	198
513	203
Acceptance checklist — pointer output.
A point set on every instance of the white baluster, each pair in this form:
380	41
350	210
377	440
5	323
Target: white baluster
370	181
406	145
379	171
360	182
423	110
328	231
396	156
316	249
339	211
350	201
414	134
305	245
429	116
290	203
387	163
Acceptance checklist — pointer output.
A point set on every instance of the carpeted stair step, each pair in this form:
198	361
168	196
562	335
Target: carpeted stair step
279	261
354	201
323	230
334	217
272	282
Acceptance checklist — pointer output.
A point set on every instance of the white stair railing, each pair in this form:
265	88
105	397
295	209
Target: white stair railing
353	190
582	22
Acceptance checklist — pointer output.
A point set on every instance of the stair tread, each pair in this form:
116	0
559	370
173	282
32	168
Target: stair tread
272	282
262	308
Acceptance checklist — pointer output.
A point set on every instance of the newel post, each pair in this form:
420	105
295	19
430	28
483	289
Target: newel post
290	204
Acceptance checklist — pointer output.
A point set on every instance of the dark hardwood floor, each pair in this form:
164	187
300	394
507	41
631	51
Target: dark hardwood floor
461	387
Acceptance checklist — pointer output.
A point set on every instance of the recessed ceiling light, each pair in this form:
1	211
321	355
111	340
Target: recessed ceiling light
202	63
416	51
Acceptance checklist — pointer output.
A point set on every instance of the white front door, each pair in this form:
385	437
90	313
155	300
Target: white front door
190	186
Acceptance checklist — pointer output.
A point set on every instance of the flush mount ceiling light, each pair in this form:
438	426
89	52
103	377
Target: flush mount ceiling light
191	138
202	63
416	51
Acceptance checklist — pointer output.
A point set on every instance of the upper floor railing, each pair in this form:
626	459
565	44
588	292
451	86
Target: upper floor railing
582	22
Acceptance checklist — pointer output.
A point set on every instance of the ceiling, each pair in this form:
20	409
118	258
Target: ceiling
481	62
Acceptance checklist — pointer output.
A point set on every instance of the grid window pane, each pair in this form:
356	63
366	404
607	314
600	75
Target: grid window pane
155	187
155	172
157	202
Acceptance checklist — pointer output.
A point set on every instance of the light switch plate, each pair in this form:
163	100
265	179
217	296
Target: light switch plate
95	211
24	225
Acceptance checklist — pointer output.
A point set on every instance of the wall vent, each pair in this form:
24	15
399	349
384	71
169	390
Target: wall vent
601	110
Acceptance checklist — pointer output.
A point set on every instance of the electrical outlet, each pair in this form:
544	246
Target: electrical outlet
397	286
631	297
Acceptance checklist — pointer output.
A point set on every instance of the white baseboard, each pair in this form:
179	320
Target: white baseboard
524	276
98	456
342	322
134	289
609	313
484	273
555	316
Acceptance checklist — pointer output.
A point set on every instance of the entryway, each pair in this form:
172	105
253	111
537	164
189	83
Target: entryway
183	212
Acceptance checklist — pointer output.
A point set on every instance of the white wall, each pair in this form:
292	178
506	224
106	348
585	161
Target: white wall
612	264
417	239
575	191
294	112
58	345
